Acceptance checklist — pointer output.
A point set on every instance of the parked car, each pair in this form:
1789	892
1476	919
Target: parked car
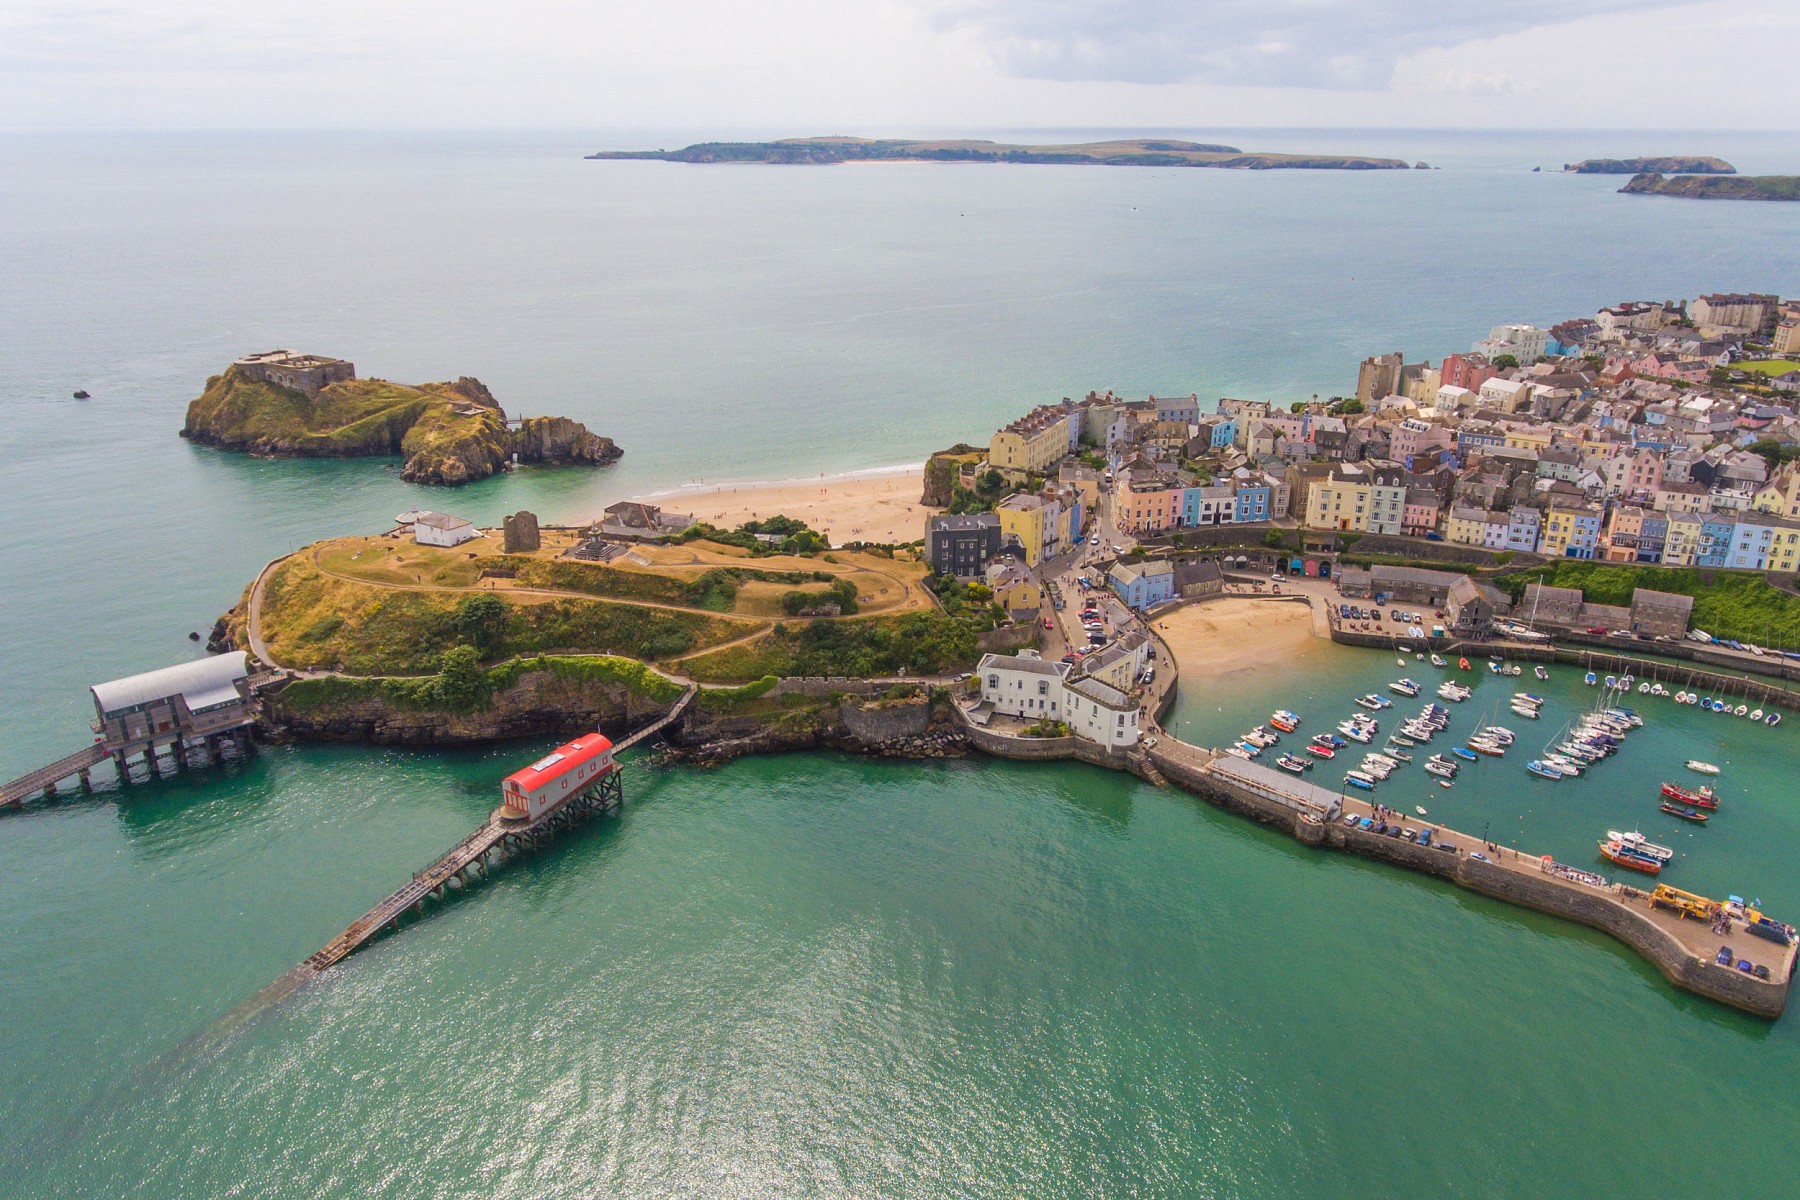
1598	629
1433	536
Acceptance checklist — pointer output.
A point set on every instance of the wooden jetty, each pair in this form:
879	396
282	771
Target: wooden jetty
497	838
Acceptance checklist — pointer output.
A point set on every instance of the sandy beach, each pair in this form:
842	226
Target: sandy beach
875	508
1223	636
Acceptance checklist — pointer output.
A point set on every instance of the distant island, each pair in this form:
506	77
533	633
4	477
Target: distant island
1716	187
1675	165
1126	153
285	405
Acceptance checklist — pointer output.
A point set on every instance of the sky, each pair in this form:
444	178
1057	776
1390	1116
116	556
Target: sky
896	66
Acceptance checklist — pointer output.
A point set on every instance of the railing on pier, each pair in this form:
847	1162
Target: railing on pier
26	786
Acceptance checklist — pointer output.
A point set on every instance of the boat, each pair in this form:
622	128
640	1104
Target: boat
1589	679
1420	809
1740	710
1772	720
1246	749
1465	754
1501	734
1443	783
1756	714
1237	752
1494	666
1703	768
1400	739
1462	664
1436	661
1616	853
80	394
1290	762
1355	733
1402	755
1694	797
1513	669
1359	780
1318	751
1526	711
1286	715
1543	769
1644	689
1261	737
1612	682
1681	697
1642	845
1373	702
1406	687
1540	672
1441	770
1686	814
1484	746
1568	766
1330	739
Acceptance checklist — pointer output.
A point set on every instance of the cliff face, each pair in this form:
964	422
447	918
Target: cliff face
447	433
1635	166
1716	187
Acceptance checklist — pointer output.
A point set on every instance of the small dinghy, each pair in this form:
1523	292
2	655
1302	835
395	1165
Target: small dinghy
1420	809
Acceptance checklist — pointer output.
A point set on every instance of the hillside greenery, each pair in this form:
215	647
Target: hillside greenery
462	685
919	643
1739	605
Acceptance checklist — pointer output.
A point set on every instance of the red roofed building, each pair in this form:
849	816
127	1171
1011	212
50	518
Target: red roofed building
569	770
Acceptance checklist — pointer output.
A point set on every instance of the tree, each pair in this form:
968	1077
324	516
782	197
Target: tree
1350	407
461	681
481	619
1274	540
1772	451
992	480
1505	362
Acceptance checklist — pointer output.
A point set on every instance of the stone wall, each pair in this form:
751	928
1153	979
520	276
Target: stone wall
821	686
887	720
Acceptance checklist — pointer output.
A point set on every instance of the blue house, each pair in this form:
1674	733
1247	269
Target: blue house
1715	542
1254	502
1143	584
1224	431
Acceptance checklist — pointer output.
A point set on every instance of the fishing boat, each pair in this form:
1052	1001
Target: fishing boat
1542	769
1703	768
1406	687
1470	755
1318	751
1359	780
1616	853
1686	814
1540	672
1436	661
1637	842
1294	763
1693	797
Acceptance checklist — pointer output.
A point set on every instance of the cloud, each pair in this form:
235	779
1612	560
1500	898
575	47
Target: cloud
1342	44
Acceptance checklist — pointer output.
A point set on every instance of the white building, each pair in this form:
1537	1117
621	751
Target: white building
1025	686
436	529
1527	343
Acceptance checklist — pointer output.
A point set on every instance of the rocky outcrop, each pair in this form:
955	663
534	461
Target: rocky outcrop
446	433
1716	187
1675	165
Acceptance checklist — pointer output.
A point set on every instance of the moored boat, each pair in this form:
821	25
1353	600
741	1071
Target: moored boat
1318	751
1703	768
1686	814
1614	852
1441	769
1633	840
1464	754
1540	672
1462	664
1703	797
1589	679
1290	762
1436	661
1772	720
1406	687
1543	769
1360	780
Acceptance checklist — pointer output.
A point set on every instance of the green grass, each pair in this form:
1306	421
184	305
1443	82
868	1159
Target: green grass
921	643
1739	605
423	693
1767	366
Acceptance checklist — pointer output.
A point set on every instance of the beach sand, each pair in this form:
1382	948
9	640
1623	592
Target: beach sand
1223	636
879	508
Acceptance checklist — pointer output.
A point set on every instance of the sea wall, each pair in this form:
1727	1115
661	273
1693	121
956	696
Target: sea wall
886	721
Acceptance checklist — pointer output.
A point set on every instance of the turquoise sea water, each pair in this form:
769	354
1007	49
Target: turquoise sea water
804	975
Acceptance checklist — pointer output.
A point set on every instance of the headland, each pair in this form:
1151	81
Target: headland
1669	165
285	405
1715	187
1158	152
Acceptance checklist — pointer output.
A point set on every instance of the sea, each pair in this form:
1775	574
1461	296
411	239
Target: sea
812	975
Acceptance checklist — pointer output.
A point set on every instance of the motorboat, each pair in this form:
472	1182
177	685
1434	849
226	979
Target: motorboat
1283	714
1355	733
1633	840
1512	669
1740	710
1462	664
1644	689
1375	770
1528	698
1374	702
1702	768
1501	734
1294	763
1454	691
1330	739
1540	672
1469	755
1261	737
1436	661
1686	814
1238	752
1249	750
1406	687
1693	797
1543	769
1616	852
1402	755
1441	770
1318	751
1526	711
1400	739
1359	780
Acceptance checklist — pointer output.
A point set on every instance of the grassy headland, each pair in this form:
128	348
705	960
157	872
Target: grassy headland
1716	187
1121	153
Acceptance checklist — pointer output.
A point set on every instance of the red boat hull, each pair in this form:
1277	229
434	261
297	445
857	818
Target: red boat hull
1321	751
1636	864
1697	799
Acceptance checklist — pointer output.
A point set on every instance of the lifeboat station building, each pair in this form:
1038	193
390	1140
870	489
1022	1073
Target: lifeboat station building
204	701
575	775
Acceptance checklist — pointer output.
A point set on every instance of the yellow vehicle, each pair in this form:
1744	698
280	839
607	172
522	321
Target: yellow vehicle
1685	903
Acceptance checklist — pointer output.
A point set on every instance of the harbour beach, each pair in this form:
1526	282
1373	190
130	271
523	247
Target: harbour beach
1233	634
865	507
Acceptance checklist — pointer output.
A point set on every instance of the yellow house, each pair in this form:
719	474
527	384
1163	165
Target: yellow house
1466	526
1015	588
1784	548
1354	504
1024	519
1683	541
1529	437
1032	444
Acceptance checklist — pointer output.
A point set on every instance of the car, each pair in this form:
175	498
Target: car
1277	576
1433	536
1344	611
1097	638
1149	743
1049	623
1394	613
1598	629
1069	658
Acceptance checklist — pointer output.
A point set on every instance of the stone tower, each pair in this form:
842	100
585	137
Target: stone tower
521	531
